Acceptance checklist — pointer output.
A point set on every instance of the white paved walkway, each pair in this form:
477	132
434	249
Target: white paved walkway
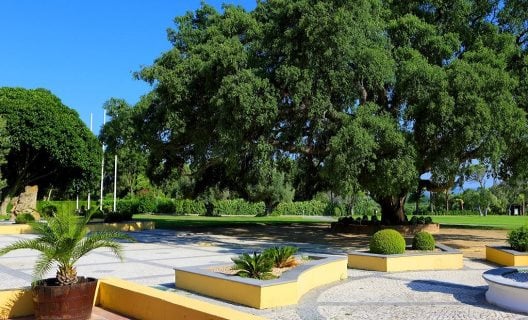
364	295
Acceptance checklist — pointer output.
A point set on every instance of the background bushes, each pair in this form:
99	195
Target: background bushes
237	207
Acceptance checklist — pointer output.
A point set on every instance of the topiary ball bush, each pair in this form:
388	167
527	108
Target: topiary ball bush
423	241
518	239
387	241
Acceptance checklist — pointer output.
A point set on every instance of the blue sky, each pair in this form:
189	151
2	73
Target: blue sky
86	51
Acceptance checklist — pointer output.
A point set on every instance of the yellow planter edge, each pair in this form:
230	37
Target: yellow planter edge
448	259
130	299
262	294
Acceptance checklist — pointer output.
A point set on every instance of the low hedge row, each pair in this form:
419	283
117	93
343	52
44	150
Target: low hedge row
309	208
237	207
129	207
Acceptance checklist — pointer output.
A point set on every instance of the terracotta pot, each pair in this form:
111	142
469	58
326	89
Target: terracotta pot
72	302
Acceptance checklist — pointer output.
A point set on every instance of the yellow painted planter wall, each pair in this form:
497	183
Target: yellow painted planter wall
141	302
261	294
401	262
16	303
15	229
133	300
121	226
506	257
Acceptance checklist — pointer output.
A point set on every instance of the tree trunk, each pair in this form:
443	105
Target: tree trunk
392	210
3	206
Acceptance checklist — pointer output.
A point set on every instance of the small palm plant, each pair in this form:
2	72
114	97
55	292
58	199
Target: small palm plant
257	266
282	257
63	240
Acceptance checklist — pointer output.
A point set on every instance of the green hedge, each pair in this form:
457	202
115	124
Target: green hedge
453	213
301	208
186	206
238	207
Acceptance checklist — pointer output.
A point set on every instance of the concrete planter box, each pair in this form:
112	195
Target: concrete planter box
447	259
506	256
406	230
504	292
262	294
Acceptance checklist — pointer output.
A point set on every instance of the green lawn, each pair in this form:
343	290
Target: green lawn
488	222
175	222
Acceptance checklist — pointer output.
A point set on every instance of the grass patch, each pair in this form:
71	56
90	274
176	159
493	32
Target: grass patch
178	222
478	222
194	221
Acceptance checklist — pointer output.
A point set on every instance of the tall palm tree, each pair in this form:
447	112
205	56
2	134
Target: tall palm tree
63	240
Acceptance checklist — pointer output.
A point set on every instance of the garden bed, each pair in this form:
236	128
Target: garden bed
444	258
506	256
261	294
407	230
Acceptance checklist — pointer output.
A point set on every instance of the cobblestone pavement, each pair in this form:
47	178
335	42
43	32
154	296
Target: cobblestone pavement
364	295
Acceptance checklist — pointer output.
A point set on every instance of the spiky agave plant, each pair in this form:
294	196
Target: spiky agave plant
63	240
257	266
282	257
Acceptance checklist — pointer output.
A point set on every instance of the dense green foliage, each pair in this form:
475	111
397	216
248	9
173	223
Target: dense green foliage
62	241
237	207
299	97
24	218
423	241
4	149
120	138
50	145
387	241
282	257
518	239
303	208
257	266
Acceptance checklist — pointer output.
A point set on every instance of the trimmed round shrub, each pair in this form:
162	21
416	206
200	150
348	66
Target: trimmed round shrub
387	241
518	239
423	241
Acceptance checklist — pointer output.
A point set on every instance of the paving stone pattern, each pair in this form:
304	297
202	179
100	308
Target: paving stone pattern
364	295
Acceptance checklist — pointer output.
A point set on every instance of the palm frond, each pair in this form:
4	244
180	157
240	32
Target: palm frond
64	239
101	239
282	257
257	266
32	244
43	264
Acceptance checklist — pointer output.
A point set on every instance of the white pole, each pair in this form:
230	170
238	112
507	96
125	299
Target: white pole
115	183
102	167
91	130
77	203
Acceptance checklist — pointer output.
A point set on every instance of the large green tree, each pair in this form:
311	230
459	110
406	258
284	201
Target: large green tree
120	138
50	145
384	96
